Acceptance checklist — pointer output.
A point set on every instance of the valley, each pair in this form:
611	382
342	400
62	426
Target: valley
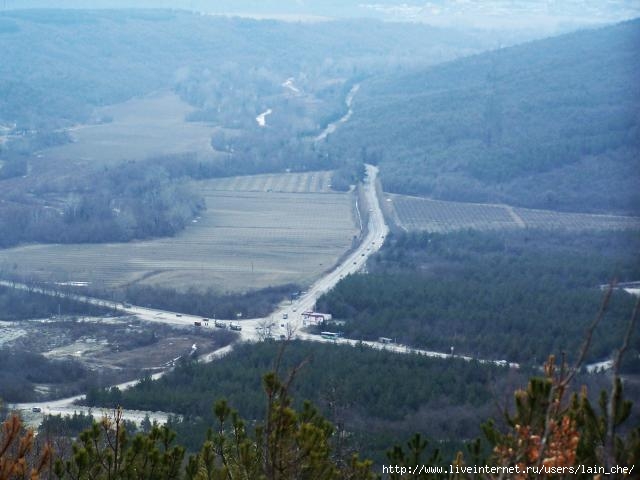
291	240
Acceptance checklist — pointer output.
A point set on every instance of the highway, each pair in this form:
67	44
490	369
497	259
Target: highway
376	231
256	329
251	328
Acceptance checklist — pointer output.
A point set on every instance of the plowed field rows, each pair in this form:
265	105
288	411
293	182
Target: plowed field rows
243	241
413	213
306	182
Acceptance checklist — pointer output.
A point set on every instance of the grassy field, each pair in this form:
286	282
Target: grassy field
245	240
139	128
414	213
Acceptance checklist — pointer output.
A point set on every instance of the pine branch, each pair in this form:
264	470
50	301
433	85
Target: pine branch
557	389
614	397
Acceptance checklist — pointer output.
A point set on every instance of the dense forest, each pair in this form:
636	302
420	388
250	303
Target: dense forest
16	304
129	201
501	295
373	398
550	124
542	432
378	396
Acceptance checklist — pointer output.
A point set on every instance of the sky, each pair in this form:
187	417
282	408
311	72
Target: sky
500	14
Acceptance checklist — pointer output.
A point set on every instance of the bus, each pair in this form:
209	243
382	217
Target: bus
330	335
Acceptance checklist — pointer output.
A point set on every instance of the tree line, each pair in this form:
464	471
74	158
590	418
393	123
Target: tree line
210	303
132	200
551	428
376	396
486	293
18	304
538	125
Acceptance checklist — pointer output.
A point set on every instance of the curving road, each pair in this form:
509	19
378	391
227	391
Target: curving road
256	329
376	231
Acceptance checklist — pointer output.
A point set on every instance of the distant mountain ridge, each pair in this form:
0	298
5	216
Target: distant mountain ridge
552	124
501	14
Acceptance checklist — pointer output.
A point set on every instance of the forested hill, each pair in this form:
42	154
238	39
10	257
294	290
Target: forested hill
551	123
57	65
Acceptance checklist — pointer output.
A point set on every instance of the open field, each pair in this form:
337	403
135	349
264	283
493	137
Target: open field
415	213
139	128
244	240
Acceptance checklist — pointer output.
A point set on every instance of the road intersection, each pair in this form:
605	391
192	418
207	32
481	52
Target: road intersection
286	322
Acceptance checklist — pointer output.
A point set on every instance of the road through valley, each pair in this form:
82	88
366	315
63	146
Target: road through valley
285	322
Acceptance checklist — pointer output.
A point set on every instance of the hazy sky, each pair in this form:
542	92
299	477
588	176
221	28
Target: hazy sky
519	14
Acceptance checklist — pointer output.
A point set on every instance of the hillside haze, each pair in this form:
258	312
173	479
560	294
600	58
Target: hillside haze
367	226
549	124
87	90
517	15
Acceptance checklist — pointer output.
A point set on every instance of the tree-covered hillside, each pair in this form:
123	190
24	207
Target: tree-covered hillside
552	124
377	397
58	64
501	295
551	429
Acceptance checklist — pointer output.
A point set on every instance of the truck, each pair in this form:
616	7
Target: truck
235	326
219	324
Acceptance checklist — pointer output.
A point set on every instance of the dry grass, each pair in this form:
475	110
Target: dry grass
141	128
245	240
